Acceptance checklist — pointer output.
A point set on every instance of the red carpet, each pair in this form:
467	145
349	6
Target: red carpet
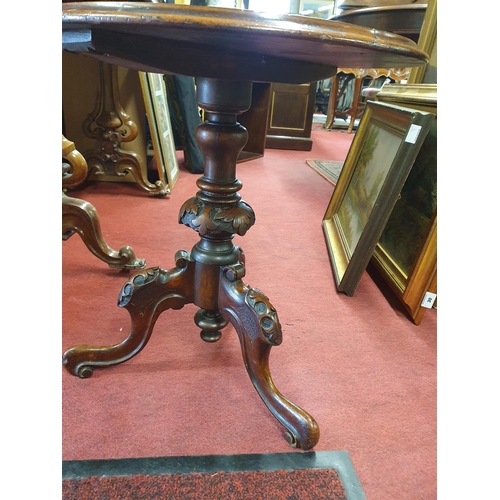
362	369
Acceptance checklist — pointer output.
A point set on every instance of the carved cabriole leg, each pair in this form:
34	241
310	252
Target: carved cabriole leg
258	327
145	296
110	125
79	216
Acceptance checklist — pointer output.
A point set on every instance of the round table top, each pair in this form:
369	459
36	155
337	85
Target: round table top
233	44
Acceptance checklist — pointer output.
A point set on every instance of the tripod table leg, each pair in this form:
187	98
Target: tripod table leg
145	296
256	322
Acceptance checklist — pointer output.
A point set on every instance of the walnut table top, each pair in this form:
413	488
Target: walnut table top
231	44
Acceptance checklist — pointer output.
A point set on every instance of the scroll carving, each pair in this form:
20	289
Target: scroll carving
110	125
76	170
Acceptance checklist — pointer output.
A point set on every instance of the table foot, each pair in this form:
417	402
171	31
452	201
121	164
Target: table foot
145	296
258	328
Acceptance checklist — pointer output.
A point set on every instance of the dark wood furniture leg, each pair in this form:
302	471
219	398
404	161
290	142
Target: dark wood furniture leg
79	216
210	276
256	323
355	102
332	103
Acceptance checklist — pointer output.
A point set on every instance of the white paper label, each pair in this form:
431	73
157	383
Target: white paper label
413	133
429	299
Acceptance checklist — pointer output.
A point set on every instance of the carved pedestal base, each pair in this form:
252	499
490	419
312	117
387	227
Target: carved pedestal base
211	275
147	294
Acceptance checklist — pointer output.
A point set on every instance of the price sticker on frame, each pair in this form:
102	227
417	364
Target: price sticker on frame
413	133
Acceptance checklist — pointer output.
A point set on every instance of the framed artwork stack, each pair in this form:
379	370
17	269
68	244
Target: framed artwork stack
377	166
406	253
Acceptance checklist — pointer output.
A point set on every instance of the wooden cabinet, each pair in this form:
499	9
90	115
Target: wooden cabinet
290	116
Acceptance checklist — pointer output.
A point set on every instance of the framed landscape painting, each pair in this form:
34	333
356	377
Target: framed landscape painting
379	161
406	253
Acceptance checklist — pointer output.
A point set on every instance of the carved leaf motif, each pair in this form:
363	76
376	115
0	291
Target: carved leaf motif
241	217
190	206
204	223
188	211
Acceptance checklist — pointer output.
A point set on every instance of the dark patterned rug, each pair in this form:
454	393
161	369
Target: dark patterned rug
277	476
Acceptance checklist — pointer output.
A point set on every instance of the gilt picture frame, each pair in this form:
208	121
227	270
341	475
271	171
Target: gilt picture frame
406	253
376	167
158	116
427	42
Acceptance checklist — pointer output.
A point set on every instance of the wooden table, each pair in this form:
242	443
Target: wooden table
225	50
